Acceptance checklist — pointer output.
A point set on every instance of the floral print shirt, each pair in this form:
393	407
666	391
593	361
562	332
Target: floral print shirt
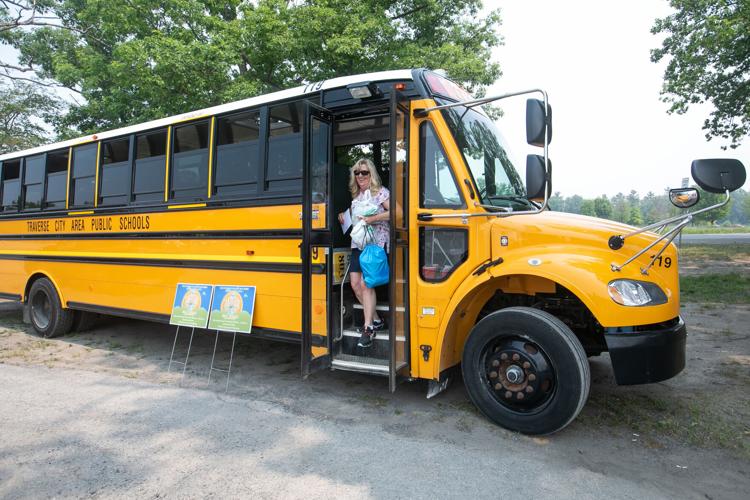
381	228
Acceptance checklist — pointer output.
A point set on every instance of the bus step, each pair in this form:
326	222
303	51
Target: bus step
361	364
379	349
379	307
379	335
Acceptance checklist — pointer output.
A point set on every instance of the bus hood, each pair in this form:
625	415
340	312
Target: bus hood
559	228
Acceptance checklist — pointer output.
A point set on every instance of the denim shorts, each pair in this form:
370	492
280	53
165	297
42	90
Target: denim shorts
354	266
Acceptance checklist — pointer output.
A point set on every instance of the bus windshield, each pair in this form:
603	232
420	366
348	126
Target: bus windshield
486	154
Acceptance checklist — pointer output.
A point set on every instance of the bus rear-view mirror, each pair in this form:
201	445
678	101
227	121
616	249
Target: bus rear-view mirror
718	175
684	197
536	177
537	121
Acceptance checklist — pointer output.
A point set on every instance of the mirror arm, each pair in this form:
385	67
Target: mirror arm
673	232
662	223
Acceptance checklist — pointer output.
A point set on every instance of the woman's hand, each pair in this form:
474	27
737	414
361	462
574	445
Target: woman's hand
341	218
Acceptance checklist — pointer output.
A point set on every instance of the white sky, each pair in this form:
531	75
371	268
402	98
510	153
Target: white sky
611	133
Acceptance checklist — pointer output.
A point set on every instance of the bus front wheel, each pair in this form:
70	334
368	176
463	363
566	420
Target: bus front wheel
47	315
526	370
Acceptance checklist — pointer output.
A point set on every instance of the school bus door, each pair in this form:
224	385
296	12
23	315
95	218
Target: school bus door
316	239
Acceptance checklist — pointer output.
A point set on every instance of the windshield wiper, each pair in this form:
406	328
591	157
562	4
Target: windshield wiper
518	199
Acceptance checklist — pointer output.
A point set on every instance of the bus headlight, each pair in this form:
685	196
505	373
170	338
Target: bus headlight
636	293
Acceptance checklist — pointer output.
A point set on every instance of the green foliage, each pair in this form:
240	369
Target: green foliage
708	199
603	207
22	108
135	60
708	47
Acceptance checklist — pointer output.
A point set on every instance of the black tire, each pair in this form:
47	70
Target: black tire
47	315
83	321
553	387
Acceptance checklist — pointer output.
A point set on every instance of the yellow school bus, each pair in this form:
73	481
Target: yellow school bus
483	276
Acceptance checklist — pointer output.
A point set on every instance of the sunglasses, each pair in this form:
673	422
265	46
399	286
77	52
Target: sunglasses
362	173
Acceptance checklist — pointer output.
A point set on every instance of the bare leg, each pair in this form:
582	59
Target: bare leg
364	294
370	301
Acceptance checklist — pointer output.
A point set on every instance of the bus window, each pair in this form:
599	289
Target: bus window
150	164
33	182
438	185
189	167
441	251
284	168
11	185
237	156
57	176
115	173
82	176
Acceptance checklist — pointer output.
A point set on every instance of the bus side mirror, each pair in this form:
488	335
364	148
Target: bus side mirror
537	121
719	174
684	197
536	177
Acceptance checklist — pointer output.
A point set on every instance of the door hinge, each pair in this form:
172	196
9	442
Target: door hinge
425	351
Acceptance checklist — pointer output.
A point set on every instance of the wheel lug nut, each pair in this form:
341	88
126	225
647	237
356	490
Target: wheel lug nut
508	394
498	386
495	363
516	357
532	377
519	395
504	356
526	365
493	374
529	389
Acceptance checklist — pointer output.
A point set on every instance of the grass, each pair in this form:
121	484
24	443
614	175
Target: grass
725	288
688	421
724	253
716	230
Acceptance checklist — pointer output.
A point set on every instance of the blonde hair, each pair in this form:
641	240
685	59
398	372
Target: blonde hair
375	182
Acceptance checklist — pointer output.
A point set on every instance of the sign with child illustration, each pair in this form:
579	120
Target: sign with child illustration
217	307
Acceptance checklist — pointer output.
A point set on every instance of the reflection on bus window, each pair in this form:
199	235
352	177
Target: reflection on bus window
115	174
82	176
441	251
33	183
11	177
237	156
57	176
150	164
189	170
284	169
438	186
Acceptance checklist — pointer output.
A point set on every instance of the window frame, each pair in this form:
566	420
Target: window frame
71	201
131	166
169	174
134	154
260	174
22	207
66	172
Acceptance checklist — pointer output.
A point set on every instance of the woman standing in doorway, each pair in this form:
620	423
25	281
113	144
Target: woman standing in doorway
365	186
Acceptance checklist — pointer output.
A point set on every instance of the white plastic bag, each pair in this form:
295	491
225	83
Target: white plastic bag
364	207
361	234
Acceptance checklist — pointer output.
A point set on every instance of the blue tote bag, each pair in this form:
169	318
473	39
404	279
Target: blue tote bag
374	263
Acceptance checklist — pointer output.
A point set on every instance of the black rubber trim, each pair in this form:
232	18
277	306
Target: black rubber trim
270	267
259	332
243	234
644	357
10	296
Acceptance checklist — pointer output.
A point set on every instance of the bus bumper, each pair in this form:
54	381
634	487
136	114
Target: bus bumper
643	357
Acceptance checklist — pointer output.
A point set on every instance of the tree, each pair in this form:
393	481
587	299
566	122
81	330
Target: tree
23	107
708	45
620	208
587	208
708	199
133	61
573	204
556	202
603	207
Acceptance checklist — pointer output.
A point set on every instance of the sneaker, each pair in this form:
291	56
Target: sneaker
378	325
365	340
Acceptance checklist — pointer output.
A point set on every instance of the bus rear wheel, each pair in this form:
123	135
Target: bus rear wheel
526	370
47	315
